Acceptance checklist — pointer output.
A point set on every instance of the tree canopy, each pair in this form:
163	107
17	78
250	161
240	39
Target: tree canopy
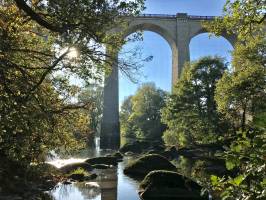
191	111
140	116
240	96
39	110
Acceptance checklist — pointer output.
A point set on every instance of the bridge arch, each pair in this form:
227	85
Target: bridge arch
164	33
230	38
177	30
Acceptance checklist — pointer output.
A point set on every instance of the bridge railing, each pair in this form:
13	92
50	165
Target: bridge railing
157	15
201	17
179	15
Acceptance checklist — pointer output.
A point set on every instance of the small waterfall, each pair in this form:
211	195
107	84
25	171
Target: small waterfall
97	145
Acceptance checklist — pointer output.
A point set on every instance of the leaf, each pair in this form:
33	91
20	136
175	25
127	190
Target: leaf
214	180
238	180
230	165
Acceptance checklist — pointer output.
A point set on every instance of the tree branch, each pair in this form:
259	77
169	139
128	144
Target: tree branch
21	4
48	71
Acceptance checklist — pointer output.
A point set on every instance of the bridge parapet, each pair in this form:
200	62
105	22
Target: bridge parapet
178	15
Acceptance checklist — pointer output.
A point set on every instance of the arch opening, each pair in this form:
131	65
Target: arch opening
203	45
158	70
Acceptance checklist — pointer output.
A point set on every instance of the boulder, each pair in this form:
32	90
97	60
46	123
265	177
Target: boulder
129	153
162	184
135	147
118	155
90	177
82	177
170	153
101	166
147	163
105	160
76	177
66	183
73	166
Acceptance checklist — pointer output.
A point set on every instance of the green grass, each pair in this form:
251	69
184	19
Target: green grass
80	171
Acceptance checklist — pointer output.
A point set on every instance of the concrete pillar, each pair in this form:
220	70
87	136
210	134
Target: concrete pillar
182	40
183	55
110	128
175	66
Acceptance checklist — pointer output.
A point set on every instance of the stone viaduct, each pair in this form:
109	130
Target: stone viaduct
177	30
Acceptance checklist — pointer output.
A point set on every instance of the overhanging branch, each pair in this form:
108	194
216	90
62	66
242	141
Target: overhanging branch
21	4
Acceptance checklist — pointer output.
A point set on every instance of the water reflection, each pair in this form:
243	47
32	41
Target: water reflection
79	191
111	184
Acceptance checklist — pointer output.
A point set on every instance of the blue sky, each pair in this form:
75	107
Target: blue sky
159	69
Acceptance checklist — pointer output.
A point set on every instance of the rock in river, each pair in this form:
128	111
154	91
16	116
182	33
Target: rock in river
73	166
169	185
101	166
105	160
147	163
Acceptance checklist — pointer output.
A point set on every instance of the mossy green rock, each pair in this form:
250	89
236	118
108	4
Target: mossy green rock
118	155
82	177
135	147
105	160
71	167
101	166
147	163
163	184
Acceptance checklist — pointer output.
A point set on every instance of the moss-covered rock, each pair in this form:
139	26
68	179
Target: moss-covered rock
170	153
101	166
105	160
82	177
135	147
73	166
147	163
118	155
169	185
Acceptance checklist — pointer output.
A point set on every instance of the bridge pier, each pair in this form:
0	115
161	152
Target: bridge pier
110	128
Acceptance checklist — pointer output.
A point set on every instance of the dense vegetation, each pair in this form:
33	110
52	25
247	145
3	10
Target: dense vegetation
241	97
94	95
140	116
209	101
43	44
191	111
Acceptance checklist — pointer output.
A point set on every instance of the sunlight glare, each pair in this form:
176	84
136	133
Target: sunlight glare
73	53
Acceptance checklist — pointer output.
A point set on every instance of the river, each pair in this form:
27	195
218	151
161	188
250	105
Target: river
111	184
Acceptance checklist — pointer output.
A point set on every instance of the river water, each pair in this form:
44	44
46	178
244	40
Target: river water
111	184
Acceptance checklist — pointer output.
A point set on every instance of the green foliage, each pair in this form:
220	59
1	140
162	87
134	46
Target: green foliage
140	114
39	110
191	111
80	171
247	154
94	96
240	95
241	98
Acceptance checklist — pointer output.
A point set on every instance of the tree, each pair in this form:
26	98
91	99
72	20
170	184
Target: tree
191	111
140	113
241	98
94	96
126	125
37	110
